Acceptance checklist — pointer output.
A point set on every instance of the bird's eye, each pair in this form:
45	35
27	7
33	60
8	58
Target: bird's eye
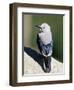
43	27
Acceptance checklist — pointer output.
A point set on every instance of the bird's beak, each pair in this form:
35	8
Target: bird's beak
38	26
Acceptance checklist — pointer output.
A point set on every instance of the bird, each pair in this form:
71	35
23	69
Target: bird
45	45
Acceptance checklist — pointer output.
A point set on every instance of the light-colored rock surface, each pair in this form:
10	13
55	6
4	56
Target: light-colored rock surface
32	67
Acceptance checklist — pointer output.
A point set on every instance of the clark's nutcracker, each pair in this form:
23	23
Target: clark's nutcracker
45	45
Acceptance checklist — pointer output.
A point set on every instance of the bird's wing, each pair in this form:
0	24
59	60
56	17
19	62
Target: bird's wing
39	43
45	49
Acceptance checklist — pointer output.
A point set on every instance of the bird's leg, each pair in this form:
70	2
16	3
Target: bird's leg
47	64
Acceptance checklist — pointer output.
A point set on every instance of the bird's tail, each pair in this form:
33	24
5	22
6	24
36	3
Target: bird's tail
47	64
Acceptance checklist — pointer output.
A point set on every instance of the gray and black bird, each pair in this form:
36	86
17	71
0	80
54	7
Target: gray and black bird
45	45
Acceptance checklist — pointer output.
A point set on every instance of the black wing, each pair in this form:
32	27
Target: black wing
39	43
46	49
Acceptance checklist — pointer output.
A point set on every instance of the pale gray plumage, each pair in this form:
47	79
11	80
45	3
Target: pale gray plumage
45	39
45	44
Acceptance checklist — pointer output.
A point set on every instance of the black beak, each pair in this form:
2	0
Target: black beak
38	26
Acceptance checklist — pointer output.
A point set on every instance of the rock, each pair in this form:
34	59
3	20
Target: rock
33	67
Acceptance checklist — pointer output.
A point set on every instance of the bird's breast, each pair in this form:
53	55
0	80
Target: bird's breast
45	37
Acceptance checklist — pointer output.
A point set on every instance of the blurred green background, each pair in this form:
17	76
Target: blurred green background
30	32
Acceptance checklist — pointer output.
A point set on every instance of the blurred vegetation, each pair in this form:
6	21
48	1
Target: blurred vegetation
56	23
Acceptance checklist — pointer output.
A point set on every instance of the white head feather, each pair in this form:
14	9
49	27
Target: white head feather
45	34
45	27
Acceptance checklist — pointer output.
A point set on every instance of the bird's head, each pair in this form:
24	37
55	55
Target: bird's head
43	27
